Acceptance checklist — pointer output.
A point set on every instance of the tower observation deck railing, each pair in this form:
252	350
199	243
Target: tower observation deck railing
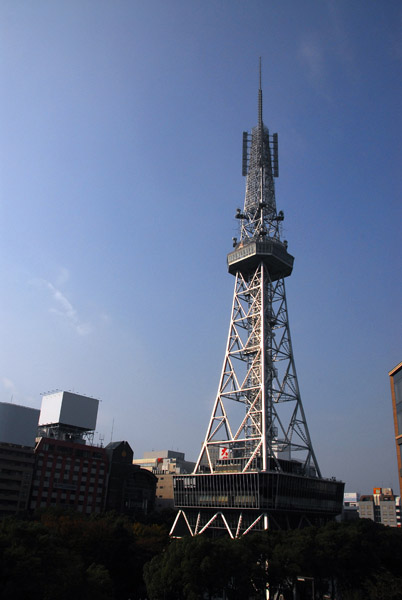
247	255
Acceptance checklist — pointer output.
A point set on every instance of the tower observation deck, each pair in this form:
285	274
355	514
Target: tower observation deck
257	468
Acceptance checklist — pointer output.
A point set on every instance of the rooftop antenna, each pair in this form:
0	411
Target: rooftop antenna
260	102
260	133
111	433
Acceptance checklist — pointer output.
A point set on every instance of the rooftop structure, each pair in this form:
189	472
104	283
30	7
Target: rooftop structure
165	461
18	424
69	416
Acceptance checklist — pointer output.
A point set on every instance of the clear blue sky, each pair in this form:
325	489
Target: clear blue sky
121	125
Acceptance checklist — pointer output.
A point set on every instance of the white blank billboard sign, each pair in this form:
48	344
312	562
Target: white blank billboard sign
68	408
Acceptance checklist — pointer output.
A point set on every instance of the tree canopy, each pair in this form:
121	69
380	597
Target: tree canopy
59	556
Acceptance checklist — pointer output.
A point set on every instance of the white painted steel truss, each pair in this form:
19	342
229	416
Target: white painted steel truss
258	421
219	516
258	416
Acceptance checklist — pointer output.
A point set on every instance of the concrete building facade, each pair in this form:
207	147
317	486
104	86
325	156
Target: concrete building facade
164	464
69	474
16	469
396	394
381	507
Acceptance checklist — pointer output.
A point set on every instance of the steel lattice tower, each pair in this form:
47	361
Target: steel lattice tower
257	467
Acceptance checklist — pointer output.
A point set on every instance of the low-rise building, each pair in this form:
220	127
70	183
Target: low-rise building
164	464
350	508
131	490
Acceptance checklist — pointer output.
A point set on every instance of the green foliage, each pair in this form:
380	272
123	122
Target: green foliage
67	555
34	564
99	583
353	560
60	556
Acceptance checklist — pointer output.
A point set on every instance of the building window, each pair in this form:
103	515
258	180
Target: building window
398	387
399	417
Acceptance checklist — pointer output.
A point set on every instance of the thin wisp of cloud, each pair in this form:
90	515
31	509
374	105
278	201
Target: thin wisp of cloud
66	310
312	56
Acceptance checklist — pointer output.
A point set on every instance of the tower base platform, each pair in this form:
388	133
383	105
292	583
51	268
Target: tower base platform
237	503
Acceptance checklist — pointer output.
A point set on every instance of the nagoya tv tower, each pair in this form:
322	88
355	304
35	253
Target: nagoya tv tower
257	468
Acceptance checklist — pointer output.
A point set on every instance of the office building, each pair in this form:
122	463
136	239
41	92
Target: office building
381	507
396	394
70	474
69	470
164	464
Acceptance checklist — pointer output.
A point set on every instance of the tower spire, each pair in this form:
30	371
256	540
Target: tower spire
260	125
